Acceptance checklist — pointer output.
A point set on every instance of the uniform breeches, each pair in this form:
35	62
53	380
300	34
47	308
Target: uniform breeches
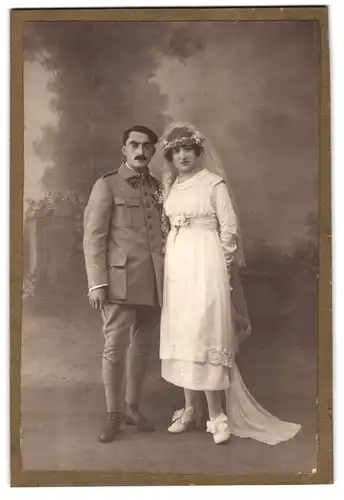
128	332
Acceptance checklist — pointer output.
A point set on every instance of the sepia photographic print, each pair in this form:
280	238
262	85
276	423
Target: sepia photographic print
171	247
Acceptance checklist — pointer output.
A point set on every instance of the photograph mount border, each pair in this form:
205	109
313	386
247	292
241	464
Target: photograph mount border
324	472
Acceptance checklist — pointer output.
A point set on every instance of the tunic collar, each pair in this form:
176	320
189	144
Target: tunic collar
133	178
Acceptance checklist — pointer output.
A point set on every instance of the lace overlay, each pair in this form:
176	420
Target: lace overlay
223	358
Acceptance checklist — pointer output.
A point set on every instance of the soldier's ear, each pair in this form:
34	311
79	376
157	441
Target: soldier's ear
154	150
123	149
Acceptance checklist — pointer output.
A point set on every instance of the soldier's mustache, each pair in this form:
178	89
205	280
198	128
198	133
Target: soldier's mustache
140	157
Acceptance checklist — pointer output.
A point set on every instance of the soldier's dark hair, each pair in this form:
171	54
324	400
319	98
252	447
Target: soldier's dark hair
143	130
196	147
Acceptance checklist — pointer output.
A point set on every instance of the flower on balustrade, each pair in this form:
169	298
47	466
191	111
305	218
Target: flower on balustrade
29	285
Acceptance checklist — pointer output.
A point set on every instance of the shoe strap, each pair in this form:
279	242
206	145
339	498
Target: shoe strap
179	414
218	422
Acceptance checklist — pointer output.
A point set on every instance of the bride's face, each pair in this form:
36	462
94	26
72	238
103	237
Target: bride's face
184	158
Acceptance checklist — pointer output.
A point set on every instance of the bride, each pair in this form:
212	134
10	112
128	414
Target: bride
204	316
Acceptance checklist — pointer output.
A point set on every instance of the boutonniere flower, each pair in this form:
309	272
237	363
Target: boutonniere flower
158	198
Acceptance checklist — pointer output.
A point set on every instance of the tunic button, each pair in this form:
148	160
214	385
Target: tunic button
150	227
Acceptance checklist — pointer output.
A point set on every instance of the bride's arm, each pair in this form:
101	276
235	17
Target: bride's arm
227	221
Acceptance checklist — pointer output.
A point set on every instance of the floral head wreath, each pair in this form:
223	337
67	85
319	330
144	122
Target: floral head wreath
183	140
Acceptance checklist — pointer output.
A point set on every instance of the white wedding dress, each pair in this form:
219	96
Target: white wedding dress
197	341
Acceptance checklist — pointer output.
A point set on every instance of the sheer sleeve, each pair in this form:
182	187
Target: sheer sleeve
227	221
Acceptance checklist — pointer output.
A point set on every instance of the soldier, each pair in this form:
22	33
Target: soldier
124	264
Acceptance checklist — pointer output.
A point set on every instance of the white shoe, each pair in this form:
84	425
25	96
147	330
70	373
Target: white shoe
182	420
219	428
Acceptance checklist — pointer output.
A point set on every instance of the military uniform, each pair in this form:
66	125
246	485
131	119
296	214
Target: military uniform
123	250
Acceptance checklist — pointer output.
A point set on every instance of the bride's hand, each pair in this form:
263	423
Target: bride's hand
230	277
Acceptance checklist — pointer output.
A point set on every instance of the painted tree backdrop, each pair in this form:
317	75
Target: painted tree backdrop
251	87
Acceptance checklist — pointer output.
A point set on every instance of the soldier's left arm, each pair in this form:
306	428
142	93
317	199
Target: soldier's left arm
97	219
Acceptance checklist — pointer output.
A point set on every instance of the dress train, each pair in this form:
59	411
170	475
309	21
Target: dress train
248	419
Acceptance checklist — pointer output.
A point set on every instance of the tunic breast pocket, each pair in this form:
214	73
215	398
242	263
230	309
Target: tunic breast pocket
128	212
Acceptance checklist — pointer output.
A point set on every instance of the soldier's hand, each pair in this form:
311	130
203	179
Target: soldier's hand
97	298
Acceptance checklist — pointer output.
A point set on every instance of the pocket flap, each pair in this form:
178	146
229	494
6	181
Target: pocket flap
117	259
127	202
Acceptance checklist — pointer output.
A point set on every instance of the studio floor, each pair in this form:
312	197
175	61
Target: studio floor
62	402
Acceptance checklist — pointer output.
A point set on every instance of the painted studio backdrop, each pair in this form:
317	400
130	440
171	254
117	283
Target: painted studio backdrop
252	87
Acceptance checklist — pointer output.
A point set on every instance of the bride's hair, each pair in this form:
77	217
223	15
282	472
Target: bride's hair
179	137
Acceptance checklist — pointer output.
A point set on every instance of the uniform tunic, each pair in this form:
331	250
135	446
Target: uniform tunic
122	238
